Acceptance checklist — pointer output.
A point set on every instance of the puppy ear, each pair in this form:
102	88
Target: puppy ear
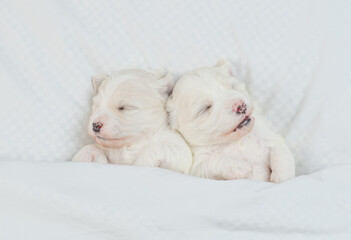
225	67
166	83
96	80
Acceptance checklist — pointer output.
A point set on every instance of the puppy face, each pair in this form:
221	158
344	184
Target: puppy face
209	106
128	106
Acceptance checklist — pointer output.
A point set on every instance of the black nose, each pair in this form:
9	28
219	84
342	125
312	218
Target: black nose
97	126
241	109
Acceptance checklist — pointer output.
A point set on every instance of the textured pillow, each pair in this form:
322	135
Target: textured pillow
294	57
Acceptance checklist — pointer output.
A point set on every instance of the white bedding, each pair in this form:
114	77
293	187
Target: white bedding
96	201
294	56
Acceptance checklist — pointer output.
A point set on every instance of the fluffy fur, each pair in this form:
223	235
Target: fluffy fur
131	125
214	113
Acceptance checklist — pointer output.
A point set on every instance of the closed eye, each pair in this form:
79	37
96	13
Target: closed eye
204	109
125	107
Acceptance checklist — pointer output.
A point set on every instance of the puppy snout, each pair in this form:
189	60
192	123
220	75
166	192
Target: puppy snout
239	108
97	126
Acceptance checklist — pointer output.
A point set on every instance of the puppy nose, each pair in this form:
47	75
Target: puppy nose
239	108
97	126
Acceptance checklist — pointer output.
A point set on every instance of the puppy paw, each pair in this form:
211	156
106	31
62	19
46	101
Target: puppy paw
282	162
277	177
90	153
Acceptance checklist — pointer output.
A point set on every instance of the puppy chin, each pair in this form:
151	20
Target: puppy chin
239	133
111	143
107	141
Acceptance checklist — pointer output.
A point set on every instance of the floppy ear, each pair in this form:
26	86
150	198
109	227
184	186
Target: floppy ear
225	67
166	83
96	80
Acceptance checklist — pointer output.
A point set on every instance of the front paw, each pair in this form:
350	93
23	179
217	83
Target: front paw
90	153
282	162
281	176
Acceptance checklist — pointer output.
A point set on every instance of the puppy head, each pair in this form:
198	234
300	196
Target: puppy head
209	106
129	105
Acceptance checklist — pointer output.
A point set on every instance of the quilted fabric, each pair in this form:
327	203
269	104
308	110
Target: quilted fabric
293	55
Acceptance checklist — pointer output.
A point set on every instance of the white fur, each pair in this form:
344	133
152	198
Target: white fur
202	109
131	106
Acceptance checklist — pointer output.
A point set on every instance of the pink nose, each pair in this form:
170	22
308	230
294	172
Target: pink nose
97	126
239	107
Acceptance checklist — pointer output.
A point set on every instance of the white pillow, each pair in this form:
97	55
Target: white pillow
294	57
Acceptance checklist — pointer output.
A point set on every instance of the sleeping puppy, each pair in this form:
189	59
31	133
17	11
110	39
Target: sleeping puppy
215	115
129	122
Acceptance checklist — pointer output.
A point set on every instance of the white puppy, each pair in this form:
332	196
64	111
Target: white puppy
129	122
214	113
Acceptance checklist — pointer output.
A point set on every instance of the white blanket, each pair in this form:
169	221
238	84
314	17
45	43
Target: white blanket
95	201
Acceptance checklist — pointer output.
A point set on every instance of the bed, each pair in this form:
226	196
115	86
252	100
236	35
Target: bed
294	57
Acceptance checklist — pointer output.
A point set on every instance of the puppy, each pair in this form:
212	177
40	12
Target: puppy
215	115
129	122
